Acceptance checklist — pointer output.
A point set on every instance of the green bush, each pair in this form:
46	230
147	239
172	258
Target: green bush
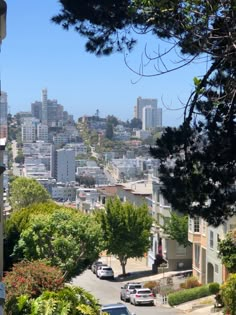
214	287
188	295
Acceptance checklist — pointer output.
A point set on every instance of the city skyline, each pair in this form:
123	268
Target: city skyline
38	54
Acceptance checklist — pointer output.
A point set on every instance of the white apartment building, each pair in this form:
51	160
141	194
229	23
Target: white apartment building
86	199
60	139
64	192
79	148
40	151
42	132
36	170
29	129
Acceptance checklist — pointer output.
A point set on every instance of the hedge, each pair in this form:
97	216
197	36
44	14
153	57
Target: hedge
188	295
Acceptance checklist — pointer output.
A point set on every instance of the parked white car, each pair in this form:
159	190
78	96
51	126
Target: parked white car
105	272
142	296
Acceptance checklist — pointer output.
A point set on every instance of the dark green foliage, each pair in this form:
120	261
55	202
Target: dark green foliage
109	131
87	181
188	295
136	123
214	287
66	238
19	221
126	230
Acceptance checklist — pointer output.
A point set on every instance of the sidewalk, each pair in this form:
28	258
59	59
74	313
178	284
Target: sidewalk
138	270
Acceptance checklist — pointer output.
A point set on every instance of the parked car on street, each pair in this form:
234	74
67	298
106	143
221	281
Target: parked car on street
142	296
98	267
105	272
115	309
96	263
127	289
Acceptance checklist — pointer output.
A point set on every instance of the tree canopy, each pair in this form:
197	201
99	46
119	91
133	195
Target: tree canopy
19	221
26	191
126	230
176	227
66	238
197	159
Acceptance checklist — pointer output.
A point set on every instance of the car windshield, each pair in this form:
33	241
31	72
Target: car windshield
143	291
137	286
116	311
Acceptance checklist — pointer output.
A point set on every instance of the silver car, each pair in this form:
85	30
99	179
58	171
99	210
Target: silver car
142	296
127	289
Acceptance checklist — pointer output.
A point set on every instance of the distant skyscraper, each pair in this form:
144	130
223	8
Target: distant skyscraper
3	115
36	110
151	110
64	165
3	108
149	117
141	103
44	106
159	117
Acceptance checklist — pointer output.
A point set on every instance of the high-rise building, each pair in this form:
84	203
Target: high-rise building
36	110
159	117
149	117
141	103
44	106
151	109
3	115
64	165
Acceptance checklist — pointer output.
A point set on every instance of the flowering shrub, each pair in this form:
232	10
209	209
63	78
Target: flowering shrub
31	278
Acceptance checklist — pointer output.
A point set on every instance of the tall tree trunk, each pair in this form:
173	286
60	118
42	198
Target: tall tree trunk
123	262
123	268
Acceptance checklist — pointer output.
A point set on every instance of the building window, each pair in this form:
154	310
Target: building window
211	238
190	224
197	255
196	225
216	268
203	227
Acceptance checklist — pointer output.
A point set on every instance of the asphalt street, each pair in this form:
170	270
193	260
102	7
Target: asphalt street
109	292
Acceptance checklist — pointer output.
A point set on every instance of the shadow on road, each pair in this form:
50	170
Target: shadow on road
133	275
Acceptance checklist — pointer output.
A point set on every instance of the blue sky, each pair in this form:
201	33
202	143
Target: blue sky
38	54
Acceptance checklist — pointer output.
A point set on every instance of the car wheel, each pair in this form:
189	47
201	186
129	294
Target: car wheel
131	302
127	300
121	297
